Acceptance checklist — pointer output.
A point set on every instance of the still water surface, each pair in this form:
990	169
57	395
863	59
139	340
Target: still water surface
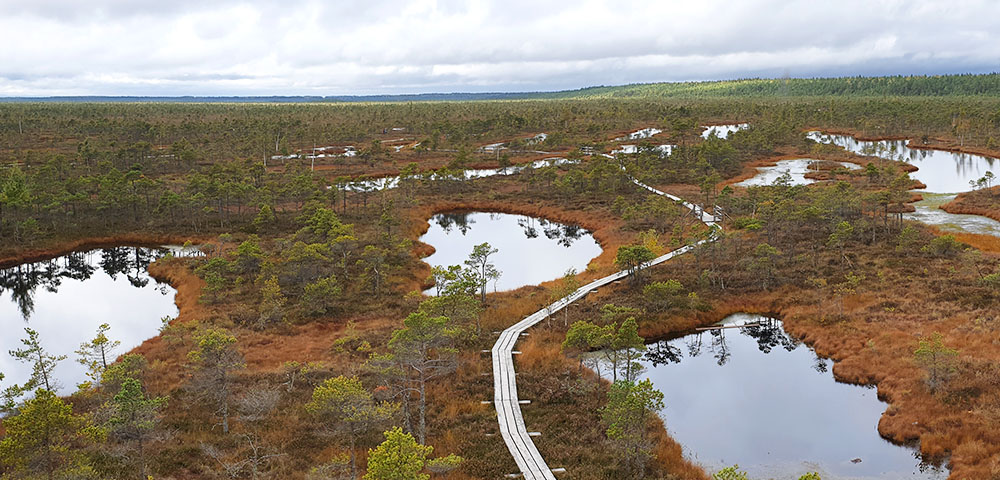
795	168
757	397
723	131
530	250
941	171
65	299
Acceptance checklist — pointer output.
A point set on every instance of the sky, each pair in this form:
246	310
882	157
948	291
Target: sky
345	47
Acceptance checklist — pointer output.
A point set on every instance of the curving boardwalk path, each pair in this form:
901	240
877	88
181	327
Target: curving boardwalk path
508	406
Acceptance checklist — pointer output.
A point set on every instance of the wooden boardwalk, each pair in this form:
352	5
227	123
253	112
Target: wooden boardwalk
505	399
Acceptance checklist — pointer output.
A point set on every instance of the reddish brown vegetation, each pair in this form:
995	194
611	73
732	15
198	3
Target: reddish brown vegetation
980	202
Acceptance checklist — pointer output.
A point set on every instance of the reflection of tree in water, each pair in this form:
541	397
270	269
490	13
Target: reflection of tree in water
663	353
24	280
720	349
820	364
769	334
564	234
462	220
129	261
693	343
528	225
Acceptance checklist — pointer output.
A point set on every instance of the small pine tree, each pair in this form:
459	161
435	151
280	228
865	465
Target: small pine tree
96	353
399	457
42	364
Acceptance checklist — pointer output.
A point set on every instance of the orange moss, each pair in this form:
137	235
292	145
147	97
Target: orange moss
986	243
984	203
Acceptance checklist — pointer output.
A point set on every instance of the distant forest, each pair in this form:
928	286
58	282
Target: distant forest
919	85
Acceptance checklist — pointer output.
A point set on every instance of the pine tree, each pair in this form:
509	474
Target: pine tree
133	416
43	440
42	364
96	353
399	457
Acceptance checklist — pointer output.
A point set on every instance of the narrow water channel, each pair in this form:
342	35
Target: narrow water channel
756	397
65	299
529	250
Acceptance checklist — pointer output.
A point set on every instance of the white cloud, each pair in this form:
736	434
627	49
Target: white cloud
233	47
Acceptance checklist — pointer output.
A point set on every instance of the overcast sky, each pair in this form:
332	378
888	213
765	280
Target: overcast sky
303	47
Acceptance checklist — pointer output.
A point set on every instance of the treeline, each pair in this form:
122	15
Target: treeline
175	134
898	85
894	85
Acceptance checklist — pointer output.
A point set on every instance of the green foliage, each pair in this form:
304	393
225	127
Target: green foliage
272	304
265	218
214	273
44	440
841	235
399	457
762	263
461	308
9	396
899	85
95	354
42	363
484	270
629	409
730	473
347	411
132	418
129	366
445	464
943	246
249	256
213	360
747	223
628	346
992	280
810	476
322	224
660	296
937	359
319	297
425	347
633	257
579	338
908	239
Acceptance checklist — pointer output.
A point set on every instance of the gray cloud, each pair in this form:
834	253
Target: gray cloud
288	47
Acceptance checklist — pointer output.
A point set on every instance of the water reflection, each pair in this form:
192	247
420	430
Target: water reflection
66	298
795	170
530	250
641	134
941	171
386	183
23	281
752	394
723	131
928	211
